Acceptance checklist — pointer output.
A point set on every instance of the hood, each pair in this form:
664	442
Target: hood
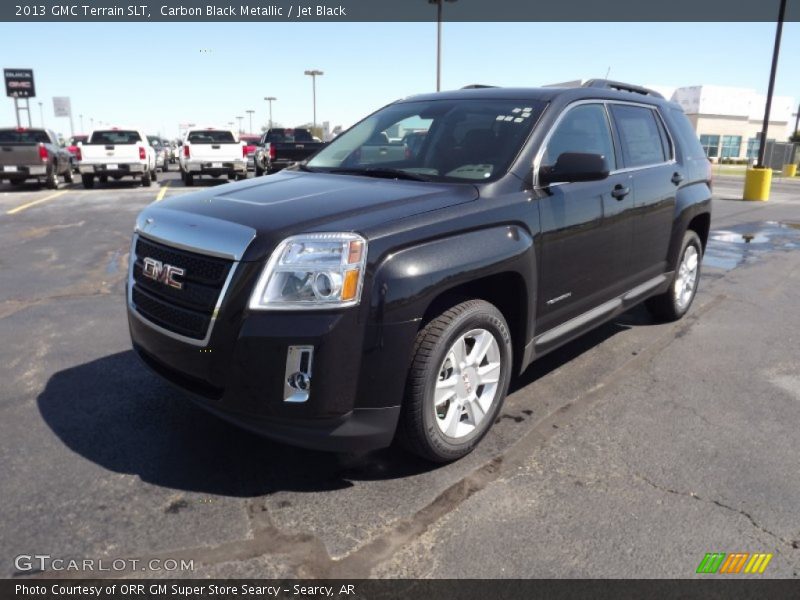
293	202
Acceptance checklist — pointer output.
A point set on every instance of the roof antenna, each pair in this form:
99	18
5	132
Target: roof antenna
608	72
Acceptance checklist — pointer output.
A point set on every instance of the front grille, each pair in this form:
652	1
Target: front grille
187	311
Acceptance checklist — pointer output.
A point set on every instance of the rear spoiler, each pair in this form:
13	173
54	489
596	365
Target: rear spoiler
621	87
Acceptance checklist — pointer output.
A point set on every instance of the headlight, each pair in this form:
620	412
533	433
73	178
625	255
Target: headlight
313	271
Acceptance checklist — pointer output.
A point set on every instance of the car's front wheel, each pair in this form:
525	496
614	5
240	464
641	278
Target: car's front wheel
458	379
675	302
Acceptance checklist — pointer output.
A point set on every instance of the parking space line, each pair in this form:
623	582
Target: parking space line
14	211
162	191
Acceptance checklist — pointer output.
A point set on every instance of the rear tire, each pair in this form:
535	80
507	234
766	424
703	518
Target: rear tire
68	176
103	178
147	180
154	174
468	346
675	302
188	180
87	181
51	179
259	171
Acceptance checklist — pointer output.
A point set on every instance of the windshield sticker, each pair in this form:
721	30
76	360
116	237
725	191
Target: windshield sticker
472	171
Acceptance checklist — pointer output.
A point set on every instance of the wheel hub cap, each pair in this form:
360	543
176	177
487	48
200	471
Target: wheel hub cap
687	277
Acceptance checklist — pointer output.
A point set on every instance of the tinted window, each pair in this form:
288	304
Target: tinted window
112	137
686	135
28	136
583	129
440	140
289	135
638	135
211	137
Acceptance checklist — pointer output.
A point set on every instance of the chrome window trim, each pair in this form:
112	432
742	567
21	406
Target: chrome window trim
537	161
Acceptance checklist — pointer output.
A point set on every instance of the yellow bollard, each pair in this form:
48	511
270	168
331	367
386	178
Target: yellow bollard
757	182
789	170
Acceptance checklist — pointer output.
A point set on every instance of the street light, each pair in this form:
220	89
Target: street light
439	4
240	124
313	74
81	118
41	114
250	114
270	100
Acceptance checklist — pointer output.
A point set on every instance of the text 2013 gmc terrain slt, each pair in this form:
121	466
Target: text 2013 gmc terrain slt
339	303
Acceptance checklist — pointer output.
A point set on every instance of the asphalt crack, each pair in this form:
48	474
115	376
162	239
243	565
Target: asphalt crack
791	543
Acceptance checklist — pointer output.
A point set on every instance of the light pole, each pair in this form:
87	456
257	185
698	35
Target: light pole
91	122
314	73
270	100
81	118
240	124
41	114
439	4
250	114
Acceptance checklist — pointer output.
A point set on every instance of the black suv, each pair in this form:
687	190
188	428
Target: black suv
383	289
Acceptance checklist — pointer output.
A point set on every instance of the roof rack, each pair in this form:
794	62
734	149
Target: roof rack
622	87
477	86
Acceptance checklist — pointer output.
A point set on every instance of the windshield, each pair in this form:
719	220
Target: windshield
439	140
23	136
114	136
211	137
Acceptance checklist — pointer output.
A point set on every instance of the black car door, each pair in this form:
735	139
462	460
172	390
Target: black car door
585	226
647	155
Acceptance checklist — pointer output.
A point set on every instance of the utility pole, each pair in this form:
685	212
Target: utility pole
270	100
240	124
250	114
439	4
81	118
762	147
41	114
313	74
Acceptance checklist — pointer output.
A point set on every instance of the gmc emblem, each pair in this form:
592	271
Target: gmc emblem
158	271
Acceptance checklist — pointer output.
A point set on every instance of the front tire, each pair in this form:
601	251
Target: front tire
675	302
459	377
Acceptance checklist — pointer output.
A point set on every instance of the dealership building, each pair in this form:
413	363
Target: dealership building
728	120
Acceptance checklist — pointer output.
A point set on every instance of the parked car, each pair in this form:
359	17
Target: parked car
280	148
72	147
251	143
162	155
33	154
349	303
213	152
116	153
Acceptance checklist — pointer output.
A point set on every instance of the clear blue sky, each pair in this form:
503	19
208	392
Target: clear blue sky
154	75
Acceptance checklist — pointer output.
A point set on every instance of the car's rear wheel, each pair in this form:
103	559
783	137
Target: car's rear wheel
68	176
103	178
188	179
675	302
458	379
147	180
87	181
154	174
51	179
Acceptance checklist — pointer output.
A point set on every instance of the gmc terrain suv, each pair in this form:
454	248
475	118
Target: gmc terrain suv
362	296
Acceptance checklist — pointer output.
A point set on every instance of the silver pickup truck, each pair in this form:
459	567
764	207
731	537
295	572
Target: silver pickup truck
33	154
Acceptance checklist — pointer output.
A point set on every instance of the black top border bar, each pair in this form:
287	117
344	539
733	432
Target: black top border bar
395	11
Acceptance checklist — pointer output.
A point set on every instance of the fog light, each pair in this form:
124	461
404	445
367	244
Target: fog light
297	376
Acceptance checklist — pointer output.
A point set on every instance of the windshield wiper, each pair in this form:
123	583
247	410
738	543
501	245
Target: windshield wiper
381	172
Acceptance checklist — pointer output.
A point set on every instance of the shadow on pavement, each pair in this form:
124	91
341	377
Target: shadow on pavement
116	413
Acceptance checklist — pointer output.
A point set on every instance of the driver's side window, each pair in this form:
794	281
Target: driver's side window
583	129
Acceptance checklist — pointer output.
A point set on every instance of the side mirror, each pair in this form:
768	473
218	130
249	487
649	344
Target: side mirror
574	166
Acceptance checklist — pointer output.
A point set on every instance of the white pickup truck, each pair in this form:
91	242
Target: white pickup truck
116	153
213	152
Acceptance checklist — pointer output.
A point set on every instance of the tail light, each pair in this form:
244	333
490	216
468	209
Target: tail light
186	151
142	154
78	153
42	153
272	154
244	151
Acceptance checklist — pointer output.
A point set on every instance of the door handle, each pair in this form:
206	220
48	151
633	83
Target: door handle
677	178
620	191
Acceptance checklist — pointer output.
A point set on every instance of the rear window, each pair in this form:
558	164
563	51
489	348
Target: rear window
211	137
683	130
115	137
289	135
29	136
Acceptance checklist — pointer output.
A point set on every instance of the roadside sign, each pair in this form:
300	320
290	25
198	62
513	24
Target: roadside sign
61	106
19	83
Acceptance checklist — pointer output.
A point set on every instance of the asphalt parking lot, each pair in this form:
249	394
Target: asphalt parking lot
631	452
